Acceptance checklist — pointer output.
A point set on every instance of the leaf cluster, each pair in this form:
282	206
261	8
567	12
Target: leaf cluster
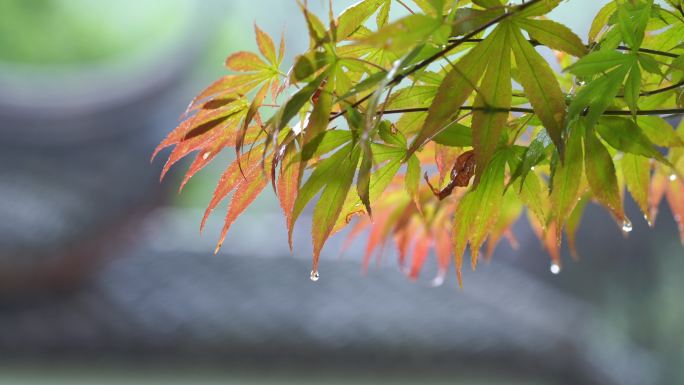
458	93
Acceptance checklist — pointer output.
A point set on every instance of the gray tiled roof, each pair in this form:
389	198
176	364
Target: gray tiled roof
246	307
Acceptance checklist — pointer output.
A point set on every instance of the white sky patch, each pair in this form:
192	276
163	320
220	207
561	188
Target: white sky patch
299	127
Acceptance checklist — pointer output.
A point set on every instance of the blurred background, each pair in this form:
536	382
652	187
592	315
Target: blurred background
105	279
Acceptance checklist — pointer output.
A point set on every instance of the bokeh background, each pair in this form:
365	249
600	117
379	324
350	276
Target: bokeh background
105	279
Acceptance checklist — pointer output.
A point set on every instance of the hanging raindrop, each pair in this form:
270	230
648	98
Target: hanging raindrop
626	225
555	268
437	281
650	224
673	177
314	276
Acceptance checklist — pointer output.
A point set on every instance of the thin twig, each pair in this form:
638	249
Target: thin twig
406	6
620	47
660	90
667	111
642	93
649	51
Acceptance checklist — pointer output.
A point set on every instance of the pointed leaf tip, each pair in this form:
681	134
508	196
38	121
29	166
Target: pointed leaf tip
266	45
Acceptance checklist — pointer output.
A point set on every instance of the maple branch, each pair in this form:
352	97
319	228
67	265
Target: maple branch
660	90
524	110
649	51
454	44
642	93
619	48
406	6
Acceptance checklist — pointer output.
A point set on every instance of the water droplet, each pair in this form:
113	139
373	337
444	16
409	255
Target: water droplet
626	225
437	281
314	276
648	221
580	82
532	168
555	268
673	177
206	155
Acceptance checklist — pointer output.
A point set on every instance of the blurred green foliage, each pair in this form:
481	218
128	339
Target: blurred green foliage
68	32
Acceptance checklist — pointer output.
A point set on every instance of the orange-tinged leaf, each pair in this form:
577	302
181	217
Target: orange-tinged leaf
245	62
551	244
281	50
196	143
205	156
659	184
183	149
376	238
246	192
198	124
445	157
362	224
266	45
275	89
547	237
213	148
288	186
232	86
420	253
402	240
230	179
229	85
675	197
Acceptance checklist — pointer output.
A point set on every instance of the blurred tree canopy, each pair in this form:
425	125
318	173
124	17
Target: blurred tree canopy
72	32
